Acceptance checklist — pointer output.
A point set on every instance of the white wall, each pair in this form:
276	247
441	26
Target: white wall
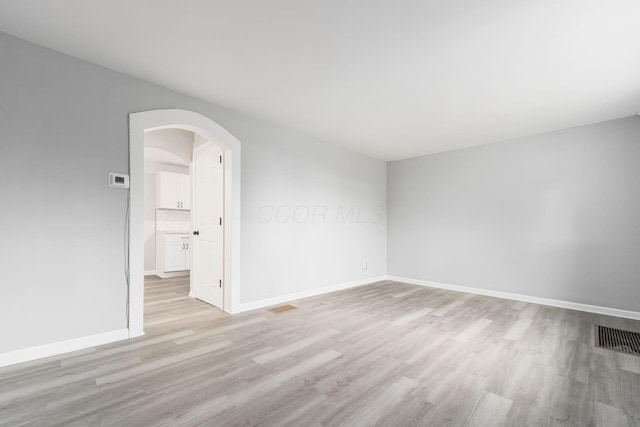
149	222
64	127
554	216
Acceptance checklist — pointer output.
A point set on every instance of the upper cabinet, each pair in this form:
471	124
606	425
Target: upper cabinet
173	191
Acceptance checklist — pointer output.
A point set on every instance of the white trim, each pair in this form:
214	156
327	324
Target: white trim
197	123
57	348
607	311
149	272
306	294
172	274
135	334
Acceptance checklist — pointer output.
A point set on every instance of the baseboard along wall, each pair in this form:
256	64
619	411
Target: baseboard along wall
58	348
61	347
607	311
305	294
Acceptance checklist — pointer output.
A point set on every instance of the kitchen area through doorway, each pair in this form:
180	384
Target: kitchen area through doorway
169	229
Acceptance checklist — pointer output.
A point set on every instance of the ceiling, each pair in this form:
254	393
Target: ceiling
155	157
390	79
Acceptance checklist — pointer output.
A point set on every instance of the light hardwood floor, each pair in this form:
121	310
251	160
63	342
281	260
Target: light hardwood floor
387	354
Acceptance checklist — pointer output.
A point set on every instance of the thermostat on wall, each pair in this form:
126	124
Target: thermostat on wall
118	180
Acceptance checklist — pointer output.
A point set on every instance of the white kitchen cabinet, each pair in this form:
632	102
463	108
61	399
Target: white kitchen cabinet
174	256
173	191
173	253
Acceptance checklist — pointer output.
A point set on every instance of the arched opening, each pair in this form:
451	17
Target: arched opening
148	121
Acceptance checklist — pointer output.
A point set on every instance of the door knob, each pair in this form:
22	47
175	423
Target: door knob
196	233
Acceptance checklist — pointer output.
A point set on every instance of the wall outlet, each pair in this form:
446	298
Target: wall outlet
365	265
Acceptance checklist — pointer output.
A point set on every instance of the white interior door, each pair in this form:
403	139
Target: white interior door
207	209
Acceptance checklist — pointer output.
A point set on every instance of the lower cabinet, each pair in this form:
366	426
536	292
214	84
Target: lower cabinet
173	253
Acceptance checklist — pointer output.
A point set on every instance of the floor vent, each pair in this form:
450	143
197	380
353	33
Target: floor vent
281	308
618	340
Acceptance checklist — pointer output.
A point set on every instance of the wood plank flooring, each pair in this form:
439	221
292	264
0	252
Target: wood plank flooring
387	354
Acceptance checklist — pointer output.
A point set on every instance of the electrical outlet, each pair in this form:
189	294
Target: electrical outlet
365	265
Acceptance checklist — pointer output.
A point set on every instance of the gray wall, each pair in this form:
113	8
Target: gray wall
63	127
555	216
318	213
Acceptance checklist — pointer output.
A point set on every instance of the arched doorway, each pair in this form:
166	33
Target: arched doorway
146	121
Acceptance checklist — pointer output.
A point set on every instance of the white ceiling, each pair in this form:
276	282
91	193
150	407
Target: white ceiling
391	79
155	157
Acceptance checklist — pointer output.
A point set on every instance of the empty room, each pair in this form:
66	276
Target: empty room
320	213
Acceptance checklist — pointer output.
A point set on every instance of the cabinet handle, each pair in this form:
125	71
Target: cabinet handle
178	204
183	246
187	246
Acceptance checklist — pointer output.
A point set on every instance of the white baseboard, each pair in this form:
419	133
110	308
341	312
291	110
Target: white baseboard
172	274
305	294
135	333
54	349
608	311
47	350
150	273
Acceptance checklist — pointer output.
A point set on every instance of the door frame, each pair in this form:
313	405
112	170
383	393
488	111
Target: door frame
145	121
